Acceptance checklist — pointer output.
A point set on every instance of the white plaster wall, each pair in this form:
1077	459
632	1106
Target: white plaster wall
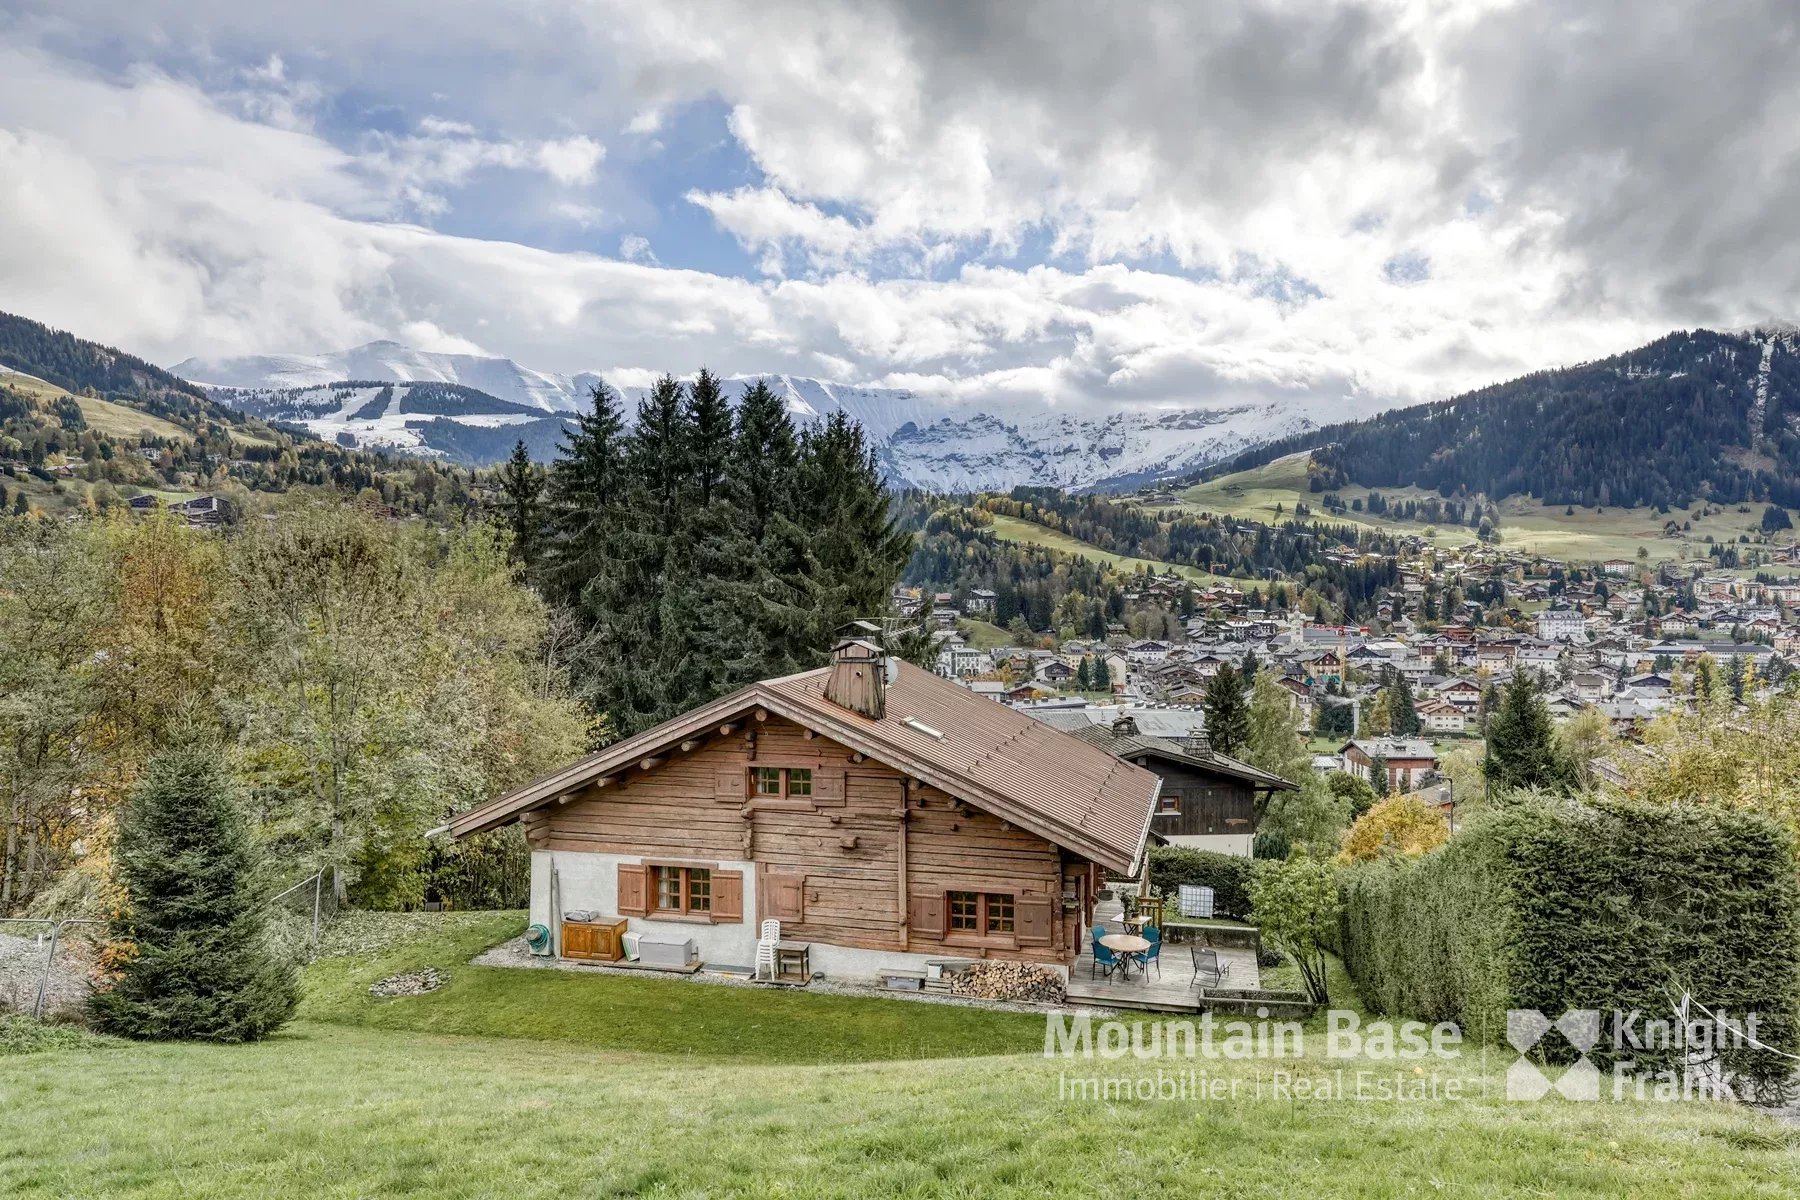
591	881
1219	843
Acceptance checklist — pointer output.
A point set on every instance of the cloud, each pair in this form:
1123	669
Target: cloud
634	248
1348	201
571	160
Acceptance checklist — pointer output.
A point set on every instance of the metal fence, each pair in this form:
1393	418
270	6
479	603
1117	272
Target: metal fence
314	899
47	967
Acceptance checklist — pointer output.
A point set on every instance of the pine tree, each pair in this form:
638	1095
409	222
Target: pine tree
522	482
1227	720
1521	741
1403	714
856	548
641	600
585	499
710	440
203	968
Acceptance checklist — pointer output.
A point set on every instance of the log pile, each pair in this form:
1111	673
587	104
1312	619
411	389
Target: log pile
994	980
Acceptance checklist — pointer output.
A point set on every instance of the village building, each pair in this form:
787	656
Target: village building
1410	761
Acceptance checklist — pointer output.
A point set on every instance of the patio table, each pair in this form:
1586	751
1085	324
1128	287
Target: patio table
1125	945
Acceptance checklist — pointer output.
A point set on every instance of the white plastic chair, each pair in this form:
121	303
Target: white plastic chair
765	949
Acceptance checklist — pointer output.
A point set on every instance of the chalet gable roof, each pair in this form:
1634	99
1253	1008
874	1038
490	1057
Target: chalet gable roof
994	757
1135	745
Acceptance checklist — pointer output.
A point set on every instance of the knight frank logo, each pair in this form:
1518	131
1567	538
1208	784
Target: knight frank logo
1526	1028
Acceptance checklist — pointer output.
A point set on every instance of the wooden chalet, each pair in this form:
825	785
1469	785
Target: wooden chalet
885	816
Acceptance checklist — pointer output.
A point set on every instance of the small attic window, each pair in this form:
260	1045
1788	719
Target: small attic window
919	726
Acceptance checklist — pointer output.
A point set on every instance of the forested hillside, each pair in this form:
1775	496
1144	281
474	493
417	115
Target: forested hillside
1694	415
84	426
1325	570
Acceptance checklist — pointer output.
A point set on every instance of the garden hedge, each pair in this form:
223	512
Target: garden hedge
1228	875
1614	905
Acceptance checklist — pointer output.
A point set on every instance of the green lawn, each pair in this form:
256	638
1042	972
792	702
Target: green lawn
984	635
634	1013
663	1101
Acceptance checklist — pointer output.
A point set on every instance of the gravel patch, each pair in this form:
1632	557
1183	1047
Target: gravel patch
409	983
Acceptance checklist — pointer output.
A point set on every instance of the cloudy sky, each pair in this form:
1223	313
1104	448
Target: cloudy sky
1170	201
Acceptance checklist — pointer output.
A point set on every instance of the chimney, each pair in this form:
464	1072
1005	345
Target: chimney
1197	743
1124	725
858	679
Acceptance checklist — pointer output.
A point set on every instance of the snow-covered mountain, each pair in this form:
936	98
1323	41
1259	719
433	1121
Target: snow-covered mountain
391	362
928	441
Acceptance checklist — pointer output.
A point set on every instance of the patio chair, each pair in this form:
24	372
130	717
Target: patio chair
1104	960
1145	958
766	967
1209	972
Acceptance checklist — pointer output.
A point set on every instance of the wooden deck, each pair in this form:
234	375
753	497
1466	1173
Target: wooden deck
1174	989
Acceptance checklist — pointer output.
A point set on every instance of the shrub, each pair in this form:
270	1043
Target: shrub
1615	905
1295	904
1228	875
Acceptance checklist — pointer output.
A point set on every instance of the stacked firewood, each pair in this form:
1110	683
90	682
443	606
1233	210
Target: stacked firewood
992	980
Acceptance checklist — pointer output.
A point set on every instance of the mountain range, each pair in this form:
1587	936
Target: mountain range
937	442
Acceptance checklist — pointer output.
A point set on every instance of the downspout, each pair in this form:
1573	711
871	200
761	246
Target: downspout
556	947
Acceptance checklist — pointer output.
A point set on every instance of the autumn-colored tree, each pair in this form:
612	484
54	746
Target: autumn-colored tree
1402	824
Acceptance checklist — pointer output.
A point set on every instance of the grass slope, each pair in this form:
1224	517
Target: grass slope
1030	533
634	1014
359	1107
1587	535
104	416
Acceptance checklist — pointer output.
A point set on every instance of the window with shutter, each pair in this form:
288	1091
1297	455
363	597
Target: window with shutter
828	786
926	916
728	785
727	896
634	895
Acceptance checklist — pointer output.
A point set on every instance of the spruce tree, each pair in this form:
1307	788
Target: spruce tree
1521	741
1403	713
585	499
204	969
641	599
856	548
709	431
522	482
1227	720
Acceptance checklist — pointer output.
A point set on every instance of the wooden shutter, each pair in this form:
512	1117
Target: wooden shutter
828	786
786	899
926	915
731	784
1032	920
727	896
634	892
